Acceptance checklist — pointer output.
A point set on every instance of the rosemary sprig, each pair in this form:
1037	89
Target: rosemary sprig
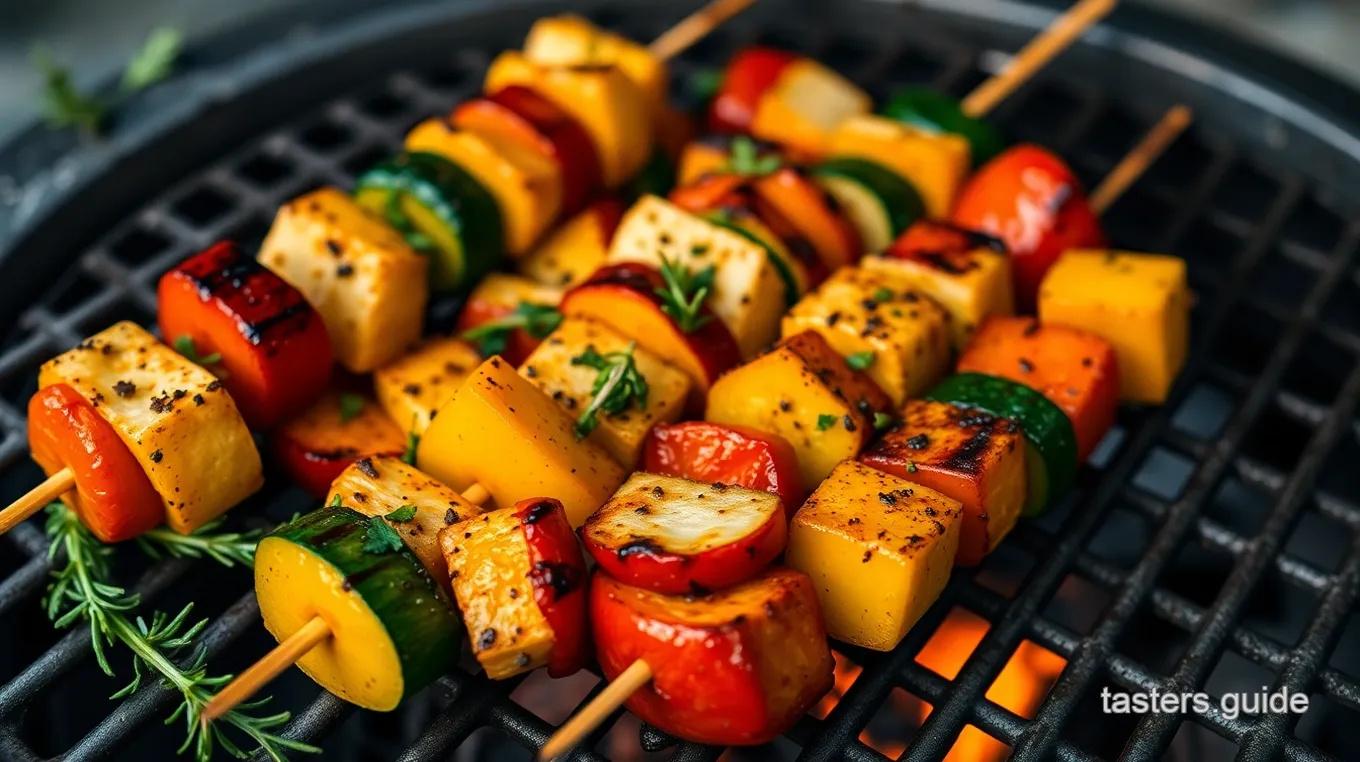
538	320
684	293
80	591
618	385
226	548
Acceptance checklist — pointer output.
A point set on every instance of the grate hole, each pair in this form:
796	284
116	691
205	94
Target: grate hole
1077	605
1197	742
1343	308
894	723
1239	507
1122	538
1346	655
1164	473
848	56
1184	164
1282	280
1279	610
1321	540
119	310
553	700
1204	412
1112	135
1331	726
366	158
447	78
1237	674
1276	439
784	39
138	246
385	105
1108	449
1197	572
264	170
913	67
1246	193
21	383
1247	347
968	81
75	288
1137	220
325	137
1339	475
250	232
1044	113
1152	641
1319	370
1209	245
1313	226
202	206
718	45
1004	570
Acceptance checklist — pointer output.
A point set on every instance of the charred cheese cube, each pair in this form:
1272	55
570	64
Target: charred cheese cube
173	415
879	550
804	106
970	455
488	562
414	386
936	163
551	368
502	432
1140	303
527	186
803	391
368	284
570	40
605	101
748	294
575	249
880	324
382	484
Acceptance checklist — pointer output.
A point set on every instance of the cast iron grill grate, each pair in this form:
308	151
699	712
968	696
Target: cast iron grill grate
1213	535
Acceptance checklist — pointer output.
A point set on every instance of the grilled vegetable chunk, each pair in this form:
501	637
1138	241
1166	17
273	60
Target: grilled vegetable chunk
519	575
861	525
578	248
392	628
935	163
880	323
340	428
382	485
803	391
415	385
274	354
677	536
736	667
509	315
805	104
744	457
113	497
558	369
175	418
968	273
601	98
368	284
495	425
1140	303
747	294
527	186
570	40
969	455
1074	369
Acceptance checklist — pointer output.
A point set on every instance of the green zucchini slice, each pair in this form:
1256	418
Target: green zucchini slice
879	203
790	271
934	111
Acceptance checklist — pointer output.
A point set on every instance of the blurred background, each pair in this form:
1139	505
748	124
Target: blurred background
94	38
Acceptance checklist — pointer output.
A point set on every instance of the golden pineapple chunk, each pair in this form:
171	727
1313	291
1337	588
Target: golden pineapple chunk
551	369
880	323
570	40
383	484
804	106
173	415
414	386
368	284
879	550
502	432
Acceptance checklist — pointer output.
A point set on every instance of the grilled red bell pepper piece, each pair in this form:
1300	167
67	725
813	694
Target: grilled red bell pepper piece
557	573
737	667
340	428
1032	201
275	356
113	496
750	74
712	452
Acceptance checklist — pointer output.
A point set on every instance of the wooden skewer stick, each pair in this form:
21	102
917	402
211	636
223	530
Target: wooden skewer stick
1136	162
597	711
52	488
695	26
1055	39
294	647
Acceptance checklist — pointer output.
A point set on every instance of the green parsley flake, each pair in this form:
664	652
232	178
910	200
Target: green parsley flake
350	406
826	421
860	360
404	513
381	538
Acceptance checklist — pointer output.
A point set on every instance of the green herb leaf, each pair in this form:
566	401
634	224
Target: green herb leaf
350	406
744	159
884	421
683	296
154	61
883	295
404	513
618	385
63	105
705	83
538	320
826	421
226	548
911	467
185	346
381	538
412	444
336	502
860	360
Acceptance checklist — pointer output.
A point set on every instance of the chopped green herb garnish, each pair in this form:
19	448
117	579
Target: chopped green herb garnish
185	346
883	295
66	106
826	421
744	159
336	502
154	61
683	296
538	320
911	467
404	513
618	385
412	442
705	83
860	360
884	420
350	406
381	538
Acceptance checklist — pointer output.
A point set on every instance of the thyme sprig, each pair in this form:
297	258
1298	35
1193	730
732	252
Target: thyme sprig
683	296
492	337
80	591
618	385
